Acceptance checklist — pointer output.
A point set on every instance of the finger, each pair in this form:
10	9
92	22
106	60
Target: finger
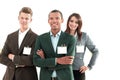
38	50
69	56
83	70
80	70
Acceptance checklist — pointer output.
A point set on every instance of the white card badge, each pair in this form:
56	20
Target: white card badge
62	50
80	49
27	50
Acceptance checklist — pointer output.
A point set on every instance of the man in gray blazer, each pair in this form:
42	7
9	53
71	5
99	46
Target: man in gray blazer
17	53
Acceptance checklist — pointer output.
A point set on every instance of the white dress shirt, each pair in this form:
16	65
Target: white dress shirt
21	36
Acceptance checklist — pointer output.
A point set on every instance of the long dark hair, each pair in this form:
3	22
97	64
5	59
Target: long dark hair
78	30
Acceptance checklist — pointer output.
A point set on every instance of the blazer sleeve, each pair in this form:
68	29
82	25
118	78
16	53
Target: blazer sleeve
92	47
38	61
4	55
70	52
24	60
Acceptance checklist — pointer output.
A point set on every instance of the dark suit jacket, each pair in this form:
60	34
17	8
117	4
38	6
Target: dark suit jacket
64	72
11	46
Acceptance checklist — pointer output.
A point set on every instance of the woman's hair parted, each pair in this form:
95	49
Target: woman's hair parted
78	30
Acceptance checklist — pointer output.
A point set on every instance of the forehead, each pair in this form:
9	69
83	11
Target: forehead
74	18
55	14
22	14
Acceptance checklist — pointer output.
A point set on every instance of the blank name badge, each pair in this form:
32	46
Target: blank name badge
62	50
80	49
27	50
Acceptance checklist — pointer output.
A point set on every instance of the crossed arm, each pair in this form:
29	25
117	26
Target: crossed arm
61	60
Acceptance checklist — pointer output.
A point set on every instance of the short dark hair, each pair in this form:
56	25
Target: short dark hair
55	10
27	10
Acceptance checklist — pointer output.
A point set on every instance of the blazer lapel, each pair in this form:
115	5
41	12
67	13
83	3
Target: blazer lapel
25	40
15	42
49	41
61	39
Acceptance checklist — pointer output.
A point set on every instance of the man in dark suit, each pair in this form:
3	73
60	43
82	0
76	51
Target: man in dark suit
58	51
17	53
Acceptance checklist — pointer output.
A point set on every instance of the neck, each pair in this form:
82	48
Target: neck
54	32
23	29
72	33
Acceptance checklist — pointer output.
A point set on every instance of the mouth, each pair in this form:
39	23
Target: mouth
54	25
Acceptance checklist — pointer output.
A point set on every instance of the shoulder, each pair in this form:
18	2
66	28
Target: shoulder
32	33
84	34
68	36
13	34
44	35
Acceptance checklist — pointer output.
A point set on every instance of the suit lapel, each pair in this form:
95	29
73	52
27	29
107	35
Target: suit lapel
15	42
61	39
49	41
25	40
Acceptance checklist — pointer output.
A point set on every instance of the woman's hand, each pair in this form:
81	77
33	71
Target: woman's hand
83	69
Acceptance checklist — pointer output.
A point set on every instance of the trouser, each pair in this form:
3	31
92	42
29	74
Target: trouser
78	75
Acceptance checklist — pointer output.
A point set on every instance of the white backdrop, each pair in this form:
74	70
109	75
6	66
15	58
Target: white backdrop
100	20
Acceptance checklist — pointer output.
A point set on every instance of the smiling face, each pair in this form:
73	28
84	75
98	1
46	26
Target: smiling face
24	20
55	21
73	23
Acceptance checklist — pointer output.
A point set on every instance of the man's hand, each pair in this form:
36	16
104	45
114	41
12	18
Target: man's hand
65	60
40	53
11	56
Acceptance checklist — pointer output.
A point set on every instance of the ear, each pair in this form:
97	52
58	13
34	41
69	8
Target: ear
31	20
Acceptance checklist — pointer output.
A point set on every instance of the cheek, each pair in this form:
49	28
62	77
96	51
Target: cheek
70	24
29	21
20	21
76	25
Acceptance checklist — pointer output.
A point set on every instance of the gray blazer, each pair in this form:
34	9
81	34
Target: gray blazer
11	46
79	56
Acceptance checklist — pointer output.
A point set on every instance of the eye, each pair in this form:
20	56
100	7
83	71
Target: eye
51	18
71	20
22	18
26	18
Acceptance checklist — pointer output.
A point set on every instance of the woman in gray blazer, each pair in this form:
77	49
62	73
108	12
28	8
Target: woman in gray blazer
83	41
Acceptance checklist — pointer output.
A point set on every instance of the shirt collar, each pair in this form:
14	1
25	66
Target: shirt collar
24	31
58	34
